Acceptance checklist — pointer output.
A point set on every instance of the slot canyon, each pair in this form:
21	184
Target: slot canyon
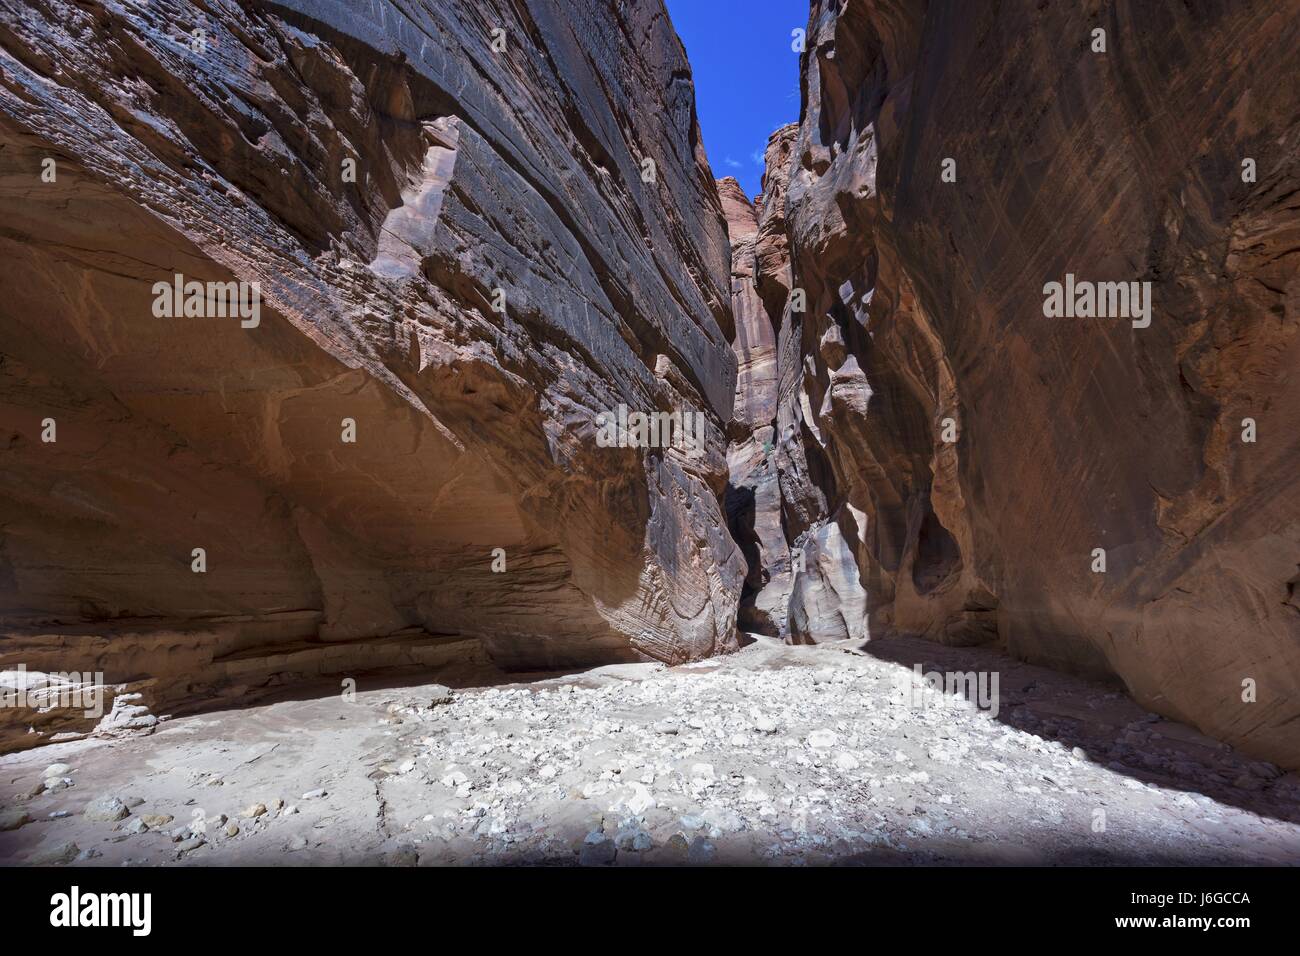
934	575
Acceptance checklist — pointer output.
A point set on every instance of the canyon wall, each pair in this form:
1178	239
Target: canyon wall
1097	494
782	507
476	227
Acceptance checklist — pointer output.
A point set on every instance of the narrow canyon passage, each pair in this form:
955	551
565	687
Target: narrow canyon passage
775	755
421	446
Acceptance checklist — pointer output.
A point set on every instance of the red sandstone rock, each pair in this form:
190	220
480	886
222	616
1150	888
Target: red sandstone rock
926	303
223	155
802	579
753	490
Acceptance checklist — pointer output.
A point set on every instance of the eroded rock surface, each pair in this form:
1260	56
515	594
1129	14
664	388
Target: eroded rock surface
498	272
753	491
782	505
925	317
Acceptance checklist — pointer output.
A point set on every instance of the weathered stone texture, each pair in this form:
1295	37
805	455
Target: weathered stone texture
476	170
801	582
926	304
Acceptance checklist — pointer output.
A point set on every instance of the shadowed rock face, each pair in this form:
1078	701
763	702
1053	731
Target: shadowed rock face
926	304
531	238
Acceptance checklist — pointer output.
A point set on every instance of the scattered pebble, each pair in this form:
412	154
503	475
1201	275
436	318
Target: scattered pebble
13	819
597	850
55	855
822	739
106	809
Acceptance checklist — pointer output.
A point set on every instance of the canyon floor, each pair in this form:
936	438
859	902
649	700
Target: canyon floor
774	755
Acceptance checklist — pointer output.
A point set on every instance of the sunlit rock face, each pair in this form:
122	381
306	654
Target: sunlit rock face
995	454
475	226
753	493
801	582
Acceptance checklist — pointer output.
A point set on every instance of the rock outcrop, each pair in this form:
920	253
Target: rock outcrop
475	228
753	492
782	508
1098	494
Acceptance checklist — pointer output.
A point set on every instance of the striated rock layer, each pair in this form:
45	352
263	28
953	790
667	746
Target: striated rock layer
753	499
993	454
531	237
801	582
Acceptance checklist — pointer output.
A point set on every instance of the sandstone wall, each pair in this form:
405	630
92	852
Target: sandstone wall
212	140
782	505
926	304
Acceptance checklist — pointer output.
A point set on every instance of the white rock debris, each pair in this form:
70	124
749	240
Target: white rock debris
781	755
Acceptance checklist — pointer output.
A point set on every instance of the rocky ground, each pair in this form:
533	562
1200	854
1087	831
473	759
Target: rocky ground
775	755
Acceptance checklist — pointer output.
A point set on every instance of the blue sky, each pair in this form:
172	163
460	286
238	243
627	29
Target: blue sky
746	76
